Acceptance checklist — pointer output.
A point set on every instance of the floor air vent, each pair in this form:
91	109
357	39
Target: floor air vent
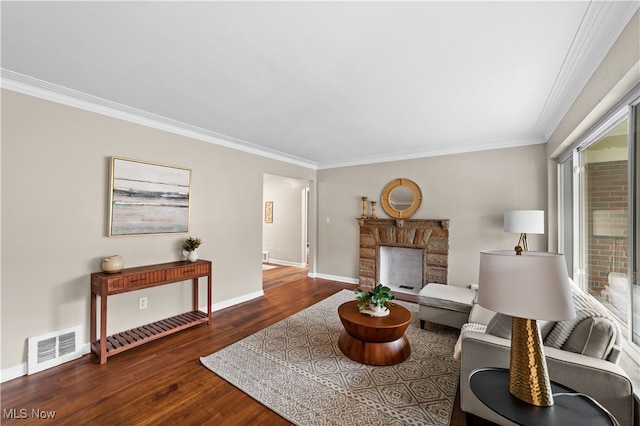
51	349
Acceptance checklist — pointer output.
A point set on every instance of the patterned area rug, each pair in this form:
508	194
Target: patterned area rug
295	368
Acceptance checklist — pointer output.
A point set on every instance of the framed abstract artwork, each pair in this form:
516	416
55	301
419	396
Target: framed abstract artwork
147	198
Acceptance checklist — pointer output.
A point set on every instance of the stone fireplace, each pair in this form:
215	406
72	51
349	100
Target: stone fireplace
426	259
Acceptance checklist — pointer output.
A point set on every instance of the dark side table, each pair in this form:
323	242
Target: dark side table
491	386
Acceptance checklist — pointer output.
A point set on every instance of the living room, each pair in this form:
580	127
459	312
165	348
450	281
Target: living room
52	240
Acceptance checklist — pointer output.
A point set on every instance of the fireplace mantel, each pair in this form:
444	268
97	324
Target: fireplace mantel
429	235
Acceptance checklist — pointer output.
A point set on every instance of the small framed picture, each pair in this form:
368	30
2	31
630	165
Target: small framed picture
268	212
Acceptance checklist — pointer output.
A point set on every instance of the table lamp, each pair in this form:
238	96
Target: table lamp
524	222
528	286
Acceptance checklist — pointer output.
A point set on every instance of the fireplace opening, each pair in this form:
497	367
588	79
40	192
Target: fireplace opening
401	269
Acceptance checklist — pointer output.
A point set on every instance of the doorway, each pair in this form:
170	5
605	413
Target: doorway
285	242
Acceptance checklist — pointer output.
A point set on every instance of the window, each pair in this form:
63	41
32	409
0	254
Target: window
599	215
606	200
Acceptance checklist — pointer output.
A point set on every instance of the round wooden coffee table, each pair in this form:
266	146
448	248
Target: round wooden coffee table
374	340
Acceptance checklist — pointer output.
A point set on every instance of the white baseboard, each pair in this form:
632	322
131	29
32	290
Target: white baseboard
287	263
335	278
21	369
13	372
236	300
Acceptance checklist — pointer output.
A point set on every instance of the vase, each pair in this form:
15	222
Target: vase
113	264
192	256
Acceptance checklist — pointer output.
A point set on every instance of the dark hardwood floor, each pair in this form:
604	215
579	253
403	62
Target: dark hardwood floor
163	382
280	275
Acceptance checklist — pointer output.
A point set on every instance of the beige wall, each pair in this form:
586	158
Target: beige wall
55	170
472	190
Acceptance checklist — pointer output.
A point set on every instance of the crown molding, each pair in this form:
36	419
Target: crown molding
578	67
59	94
438	151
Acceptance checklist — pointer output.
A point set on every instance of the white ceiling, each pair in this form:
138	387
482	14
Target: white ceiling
321	84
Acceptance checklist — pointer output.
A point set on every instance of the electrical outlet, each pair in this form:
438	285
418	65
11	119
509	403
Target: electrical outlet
142	303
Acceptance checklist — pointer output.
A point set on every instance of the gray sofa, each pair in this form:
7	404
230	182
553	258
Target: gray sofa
581	354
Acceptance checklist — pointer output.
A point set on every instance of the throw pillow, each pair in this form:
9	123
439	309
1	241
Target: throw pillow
592	337
586	307
500	325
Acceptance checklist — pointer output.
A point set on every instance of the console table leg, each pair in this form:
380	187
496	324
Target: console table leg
209	297
103	329
93	324
195	294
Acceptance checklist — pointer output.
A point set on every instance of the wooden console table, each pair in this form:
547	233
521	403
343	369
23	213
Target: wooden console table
105	284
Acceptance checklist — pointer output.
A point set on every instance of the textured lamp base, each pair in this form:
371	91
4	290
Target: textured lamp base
528	376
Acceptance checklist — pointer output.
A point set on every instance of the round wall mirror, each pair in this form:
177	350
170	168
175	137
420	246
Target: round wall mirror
401	198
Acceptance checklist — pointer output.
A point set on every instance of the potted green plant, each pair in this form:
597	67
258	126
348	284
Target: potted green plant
189	248
377	300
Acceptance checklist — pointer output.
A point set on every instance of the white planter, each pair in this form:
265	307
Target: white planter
376	311
192	256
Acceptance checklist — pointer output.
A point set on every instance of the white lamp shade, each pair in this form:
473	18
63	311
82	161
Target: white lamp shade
533	285
524	221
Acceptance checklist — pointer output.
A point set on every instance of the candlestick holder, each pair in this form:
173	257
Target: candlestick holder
373	209
364	207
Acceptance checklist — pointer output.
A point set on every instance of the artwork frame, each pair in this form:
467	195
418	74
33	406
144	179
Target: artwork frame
148	198
268	212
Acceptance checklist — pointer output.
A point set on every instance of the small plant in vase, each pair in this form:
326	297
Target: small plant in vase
376	301
189	248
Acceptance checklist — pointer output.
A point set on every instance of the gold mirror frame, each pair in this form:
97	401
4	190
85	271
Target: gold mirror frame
409	211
